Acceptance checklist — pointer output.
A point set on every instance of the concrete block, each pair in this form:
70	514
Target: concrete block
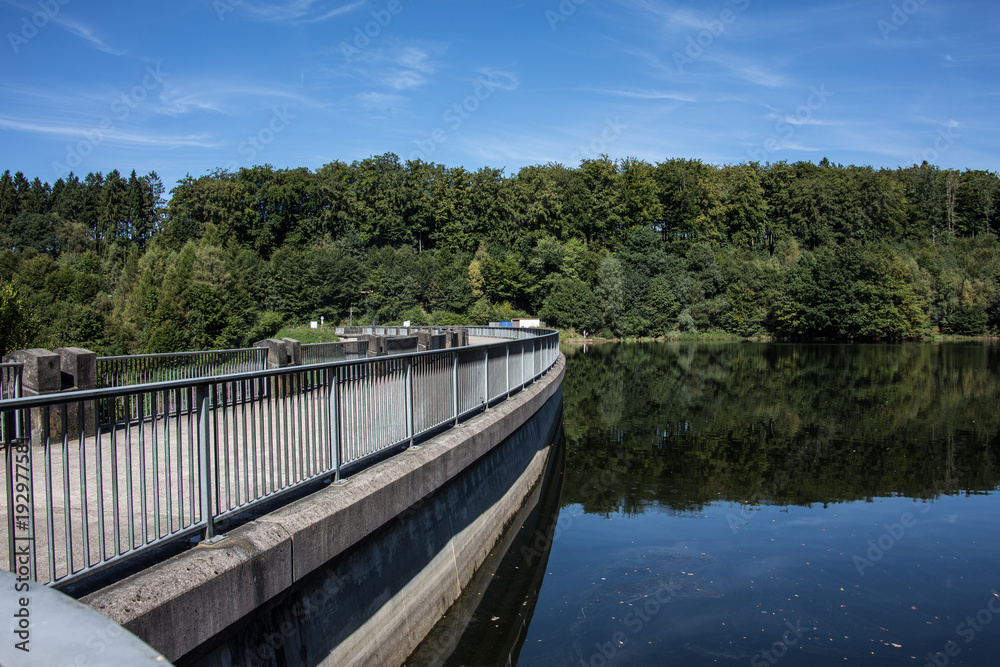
357	349
78	367
400	344
41	373
376	345
277	352
293	349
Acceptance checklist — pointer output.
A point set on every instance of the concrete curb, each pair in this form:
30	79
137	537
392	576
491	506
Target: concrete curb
178	605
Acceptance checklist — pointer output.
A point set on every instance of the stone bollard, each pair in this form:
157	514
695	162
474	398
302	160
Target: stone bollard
277	352
40	376
293	349
376	345
78	369
356	349
282	353
400	344
428	340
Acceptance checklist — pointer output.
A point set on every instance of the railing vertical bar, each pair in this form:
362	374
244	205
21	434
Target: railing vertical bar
245	388
146	400
272	391
409	398
47	475
222	410
295	425
67	504
84	507
335	422
201	398
255	449
130	503
155	455
10	441
454	383
190	395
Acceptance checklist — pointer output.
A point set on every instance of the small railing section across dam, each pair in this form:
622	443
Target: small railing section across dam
84	487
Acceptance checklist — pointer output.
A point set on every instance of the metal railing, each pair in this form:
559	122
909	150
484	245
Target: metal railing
321	353
10	387
148	368
80	494
125	371
10	380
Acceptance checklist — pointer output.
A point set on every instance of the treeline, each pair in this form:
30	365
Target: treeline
615	248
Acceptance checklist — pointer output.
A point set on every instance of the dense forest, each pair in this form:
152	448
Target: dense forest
614	248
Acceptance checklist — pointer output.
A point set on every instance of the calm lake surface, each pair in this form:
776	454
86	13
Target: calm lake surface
762	504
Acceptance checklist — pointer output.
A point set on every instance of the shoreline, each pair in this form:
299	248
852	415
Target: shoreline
722	337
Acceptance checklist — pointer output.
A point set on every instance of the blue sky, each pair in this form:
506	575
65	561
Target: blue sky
188	86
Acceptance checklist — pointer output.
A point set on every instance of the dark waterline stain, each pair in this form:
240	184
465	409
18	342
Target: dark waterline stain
753	504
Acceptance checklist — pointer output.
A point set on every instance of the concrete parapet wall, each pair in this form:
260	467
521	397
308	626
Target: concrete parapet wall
186	604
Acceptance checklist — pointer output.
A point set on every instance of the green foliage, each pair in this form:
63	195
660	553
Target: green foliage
18	327
306	334
572	304
622	248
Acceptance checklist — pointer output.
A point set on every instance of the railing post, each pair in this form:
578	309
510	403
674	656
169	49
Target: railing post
454	381
335	424
204	459
409	398
486	378
506	366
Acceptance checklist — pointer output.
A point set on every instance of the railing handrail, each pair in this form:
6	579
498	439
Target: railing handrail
195	353
207	433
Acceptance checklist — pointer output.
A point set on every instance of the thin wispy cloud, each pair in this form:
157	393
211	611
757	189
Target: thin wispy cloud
87	34
299	11
222	97
648	94
111	136
73	26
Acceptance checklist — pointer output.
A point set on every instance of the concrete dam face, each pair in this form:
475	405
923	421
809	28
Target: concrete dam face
378	600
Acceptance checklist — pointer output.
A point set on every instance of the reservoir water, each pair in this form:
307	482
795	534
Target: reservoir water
762	504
